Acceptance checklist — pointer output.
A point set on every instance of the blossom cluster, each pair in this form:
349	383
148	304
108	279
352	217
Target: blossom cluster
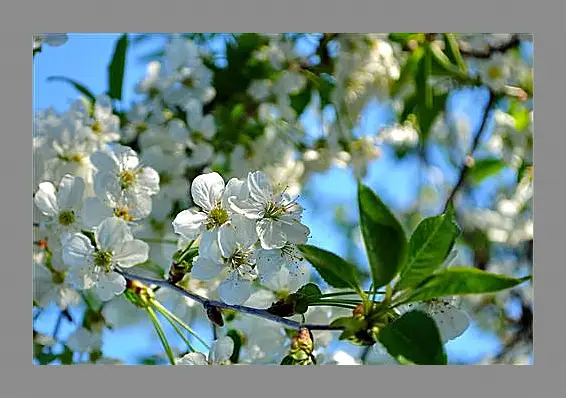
247	230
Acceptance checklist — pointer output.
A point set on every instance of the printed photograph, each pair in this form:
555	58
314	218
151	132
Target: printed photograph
283	198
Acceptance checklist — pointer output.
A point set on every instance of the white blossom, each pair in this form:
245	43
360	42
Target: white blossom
220	353
94	266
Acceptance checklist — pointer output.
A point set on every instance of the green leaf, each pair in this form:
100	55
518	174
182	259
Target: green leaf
383	235
429	246
46	358
79	87
428	105
452	50
116	68
405	37
287	361
310	292
408	71
238	341
426	117
484	168
335	271
300	101
424	90
66	356
460	281
303	297
350	325
408	108
414	337
522	119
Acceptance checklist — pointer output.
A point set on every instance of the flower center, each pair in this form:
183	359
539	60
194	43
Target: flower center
77	158
96	127
103	259
141	127
239	258
216	217
123	213
153	92
197	136
127	179
494	72
72	157
188	82
58	277
67	217
273	211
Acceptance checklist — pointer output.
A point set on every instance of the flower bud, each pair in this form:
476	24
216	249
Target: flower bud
214	314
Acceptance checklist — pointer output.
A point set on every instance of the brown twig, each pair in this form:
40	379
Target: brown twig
466	167
219	304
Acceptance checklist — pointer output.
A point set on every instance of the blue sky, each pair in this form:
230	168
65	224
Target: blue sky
85	57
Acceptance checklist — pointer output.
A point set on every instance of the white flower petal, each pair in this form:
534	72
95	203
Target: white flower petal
71	192
189	223
221	349
177	131
94	211
77	251
46	200
109	285
208	127
112	233
208	244
104	162
227	240
126	156
192	358
107	187
270	233
83	277
259	187
148	181
249	208
102	107
131	253
245	230
201	154
268	263
234	290
207	189
451	321
234	187
205	269
296	232
139	205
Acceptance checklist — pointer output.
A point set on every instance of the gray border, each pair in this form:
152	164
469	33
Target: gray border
545	19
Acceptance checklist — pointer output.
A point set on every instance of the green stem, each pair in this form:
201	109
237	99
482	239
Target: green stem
181	323
347	293
338	301
167	316
161	334
333	304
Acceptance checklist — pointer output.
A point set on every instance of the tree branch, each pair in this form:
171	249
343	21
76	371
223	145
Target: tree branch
219	304
467	51
475	143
